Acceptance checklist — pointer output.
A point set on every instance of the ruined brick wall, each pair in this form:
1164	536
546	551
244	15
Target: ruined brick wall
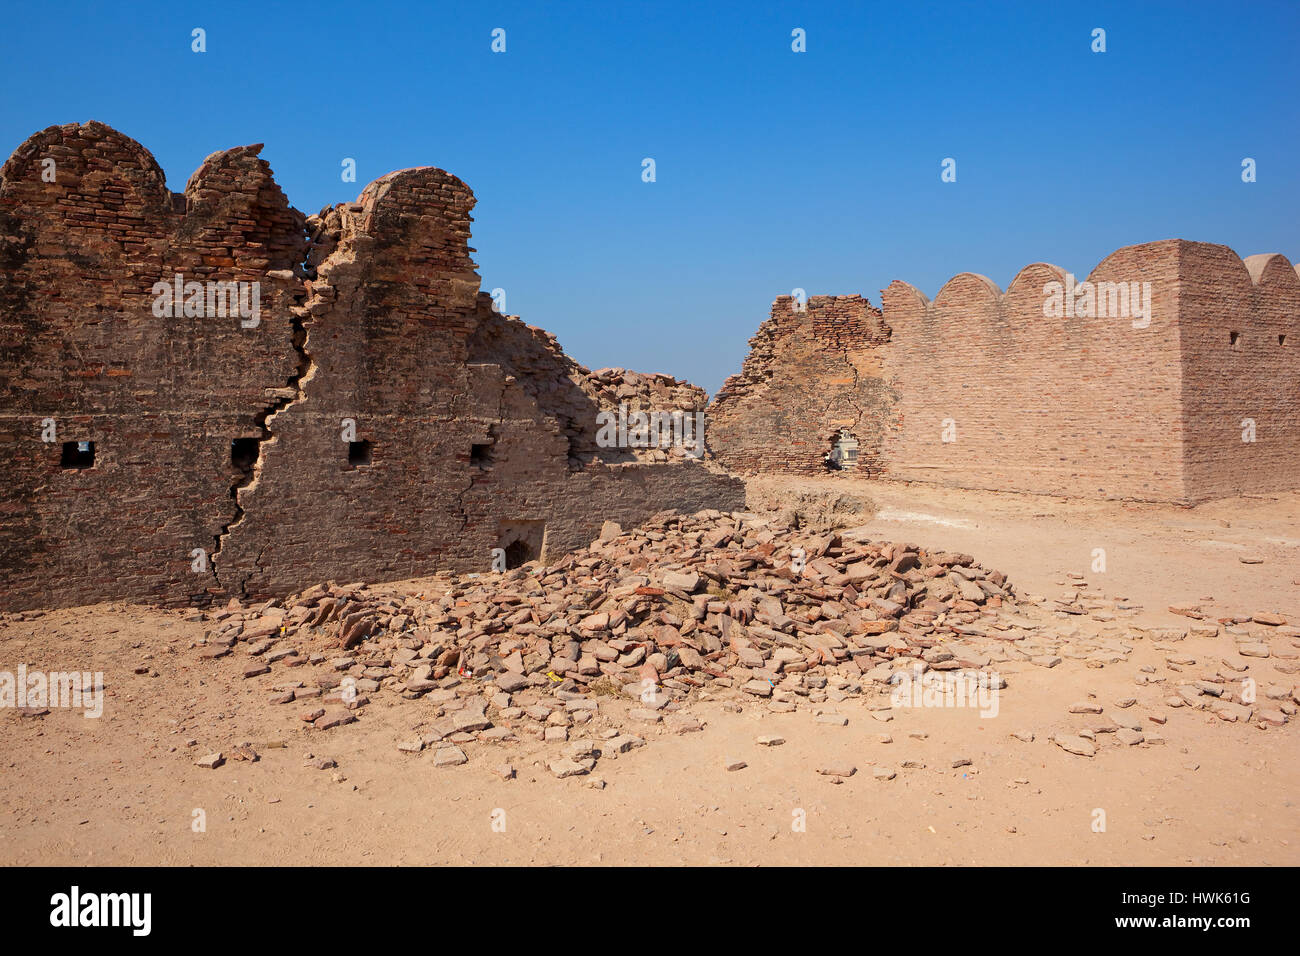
627	392
386	325
1072	405
809	373
161	398
472	430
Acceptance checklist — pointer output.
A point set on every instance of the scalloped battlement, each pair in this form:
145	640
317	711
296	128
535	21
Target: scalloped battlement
1104	397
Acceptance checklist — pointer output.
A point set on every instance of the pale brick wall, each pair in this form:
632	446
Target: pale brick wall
1078	406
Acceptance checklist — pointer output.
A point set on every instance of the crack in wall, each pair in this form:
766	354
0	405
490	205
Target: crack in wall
291	394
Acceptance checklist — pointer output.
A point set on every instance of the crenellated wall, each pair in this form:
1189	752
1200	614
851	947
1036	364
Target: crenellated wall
982	389
1254	380
480	430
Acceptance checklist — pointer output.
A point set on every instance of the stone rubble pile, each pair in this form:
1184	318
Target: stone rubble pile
626	634
683	604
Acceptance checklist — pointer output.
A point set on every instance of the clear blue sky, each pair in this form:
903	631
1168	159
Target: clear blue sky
775	169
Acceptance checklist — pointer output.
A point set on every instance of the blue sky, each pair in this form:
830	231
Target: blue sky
775	169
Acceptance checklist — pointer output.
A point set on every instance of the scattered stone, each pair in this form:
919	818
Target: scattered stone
683	723
838	770
330	721
1075	745
449	756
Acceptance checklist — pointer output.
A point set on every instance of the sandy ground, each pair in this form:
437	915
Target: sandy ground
124	788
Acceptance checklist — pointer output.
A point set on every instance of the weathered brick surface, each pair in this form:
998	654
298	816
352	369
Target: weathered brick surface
384	325
809	373
1088	407
160	397
1257	379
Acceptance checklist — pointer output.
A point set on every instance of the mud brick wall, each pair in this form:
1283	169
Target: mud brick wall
161	398
1225	383
1078	406
809	373
615	388
386	325
480	430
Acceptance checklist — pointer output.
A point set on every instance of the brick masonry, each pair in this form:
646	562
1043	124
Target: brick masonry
474	431
1084	407
809	373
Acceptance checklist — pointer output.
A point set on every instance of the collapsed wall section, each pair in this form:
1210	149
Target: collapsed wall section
813	370
361	475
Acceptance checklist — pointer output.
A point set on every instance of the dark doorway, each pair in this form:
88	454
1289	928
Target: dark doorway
522	541
519	553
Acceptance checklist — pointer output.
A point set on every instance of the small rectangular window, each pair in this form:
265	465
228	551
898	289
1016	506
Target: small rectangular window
1234	339
244	452
358	453
78	454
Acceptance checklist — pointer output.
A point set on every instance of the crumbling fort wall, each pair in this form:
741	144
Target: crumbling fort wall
160	397
378	421
811	371
982	389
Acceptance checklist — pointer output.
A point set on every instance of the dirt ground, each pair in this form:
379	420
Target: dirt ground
125	789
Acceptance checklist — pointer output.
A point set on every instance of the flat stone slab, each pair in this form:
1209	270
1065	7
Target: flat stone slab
564	767
449	757
1076	745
